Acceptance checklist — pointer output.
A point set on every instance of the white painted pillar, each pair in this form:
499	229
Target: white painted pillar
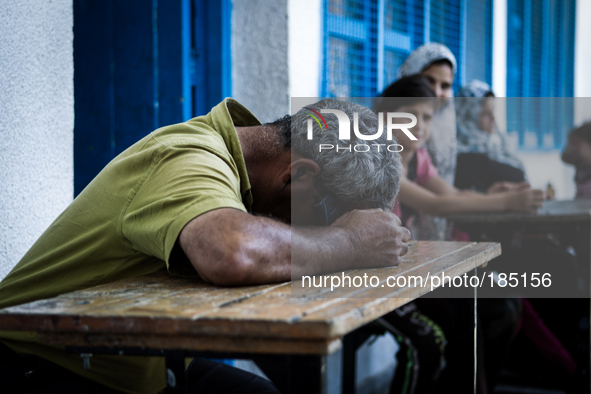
305	47
499	77
582	62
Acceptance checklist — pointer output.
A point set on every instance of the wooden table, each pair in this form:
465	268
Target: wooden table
173	317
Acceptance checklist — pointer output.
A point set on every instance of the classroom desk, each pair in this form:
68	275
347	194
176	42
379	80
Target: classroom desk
173	317
564	211
567	223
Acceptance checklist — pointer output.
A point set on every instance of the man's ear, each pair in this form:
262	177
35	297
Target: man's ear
301	170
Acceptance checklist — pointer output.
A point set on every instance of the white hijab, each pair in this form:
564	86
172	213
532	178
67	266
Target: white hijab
471	139
421	58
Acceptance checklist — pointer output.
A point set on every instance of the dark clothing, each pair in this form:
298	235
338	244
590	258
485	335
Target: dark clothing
475	171
34	375
428	360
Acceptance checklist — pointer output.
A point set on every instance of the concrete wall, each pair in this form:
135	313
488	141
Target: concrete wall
260	74
36	121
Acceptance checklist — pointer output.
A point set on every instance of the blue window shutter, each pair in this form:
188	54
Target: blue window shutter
540	63
140	65
212	53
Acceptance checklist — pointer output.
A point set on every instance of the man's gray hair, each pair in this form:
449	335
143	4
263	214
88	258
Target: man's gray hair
371	177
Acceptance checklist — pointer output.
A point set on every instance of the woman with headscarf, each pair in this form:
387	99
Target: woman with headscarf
437	63
484	156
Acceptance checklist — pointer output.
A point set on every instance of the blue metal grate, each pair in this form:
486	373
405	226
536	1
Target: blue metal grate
403	31
365	42
540	63
478	53
445	25
393	59
350	42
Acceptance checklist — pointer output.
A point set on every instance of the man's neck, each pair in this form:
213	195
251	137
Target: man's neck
264	157
248	151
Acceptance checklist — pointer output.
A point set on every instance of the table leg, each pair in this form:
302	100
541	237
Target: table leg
351	343
465	336
349	363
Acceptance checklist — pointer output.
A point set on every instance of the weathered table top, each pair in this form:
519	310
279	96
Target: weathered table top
551	212
166	312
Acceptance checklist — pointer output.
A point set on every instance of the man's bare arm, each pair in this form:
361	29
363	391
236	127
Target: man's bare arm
230	247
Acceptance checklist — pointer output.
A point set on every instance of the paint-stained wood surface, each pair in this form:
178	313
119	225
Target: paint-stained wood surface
162	311
551	212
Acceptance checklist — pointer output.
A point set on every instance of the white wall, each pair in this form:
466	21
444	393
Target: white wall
36	121
546	167
260	75
305	47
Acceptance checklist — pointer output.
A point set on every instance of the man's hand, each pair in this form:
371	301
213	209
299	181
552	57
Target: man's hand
377	235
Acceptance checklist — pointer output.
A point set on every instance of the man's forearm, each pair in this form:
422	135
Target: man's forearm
230	247
249	249
316	251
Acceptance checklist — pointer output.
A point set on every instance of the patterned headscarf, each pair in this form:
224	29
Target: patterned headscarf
471	139
425	55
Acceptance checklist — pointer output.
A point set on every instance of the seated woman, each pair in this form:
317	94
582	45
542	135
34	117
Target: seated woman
578	153
421	189
484	157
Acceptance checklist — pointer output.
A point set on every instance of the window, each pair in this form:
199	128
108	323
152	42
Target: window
365	42
540	63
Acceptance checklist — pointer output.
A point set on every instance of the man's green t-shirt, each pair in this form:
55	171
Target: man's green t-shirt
126	222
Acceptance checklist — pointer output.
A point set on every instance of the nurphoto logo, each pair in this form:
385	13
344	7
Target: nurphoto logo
345	130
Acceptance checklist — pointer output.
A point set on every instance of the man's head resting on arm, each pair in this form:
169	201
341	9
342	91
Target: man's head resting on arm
287	170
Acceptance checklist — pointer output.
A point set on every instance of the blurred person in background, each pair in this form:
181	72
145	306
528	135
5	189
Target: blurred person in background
426	325
422	188
578	153
485	162
438	65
